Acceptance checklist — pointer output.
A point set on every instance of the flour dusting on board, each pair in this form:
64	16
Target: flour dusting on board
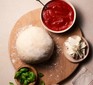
59	49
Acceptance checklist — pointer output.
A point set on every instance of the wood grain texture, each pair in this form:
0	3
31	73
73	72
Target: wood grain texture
58	67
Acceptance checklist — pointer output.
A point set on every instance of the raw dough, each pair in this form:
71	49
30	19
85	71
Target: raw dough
34	45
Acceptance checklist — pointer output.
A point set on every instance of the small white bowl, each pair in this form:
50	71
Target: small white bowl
62	31
72	59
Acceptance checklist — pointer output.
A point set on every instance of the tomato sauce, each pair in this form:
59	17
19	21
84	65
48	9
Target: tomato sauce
57	15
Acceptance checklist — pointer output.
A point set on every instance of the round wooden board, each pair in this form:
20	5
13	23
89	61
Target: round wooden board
58	67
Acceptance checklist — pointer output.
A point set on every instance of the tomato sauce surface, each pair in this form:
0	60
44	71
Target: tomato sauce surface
57	15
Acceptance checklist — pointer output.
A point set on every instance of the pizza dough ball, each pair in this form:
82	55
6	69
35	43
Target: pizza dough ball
34	45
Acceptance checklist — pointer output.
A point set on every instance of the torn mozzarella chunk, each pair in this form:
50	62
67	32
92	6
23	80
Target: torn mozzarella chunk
74	41
78	38
83	51
71	51
83	45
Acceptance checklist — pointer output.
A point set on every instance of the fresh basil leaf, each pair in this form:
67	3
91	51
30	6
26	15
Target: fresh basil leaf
11	83
40	75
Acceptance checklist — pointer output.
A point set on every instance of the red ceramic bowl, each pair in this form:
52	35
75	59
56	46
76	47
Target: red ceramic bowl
58	16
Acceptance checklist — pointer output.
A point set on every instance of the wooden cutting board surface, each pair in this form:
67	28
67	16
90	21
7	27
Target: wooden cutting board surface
58	67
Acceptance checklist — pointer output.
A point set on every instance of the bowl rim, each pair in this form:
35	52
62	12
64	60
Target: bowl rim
62	31
68	56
